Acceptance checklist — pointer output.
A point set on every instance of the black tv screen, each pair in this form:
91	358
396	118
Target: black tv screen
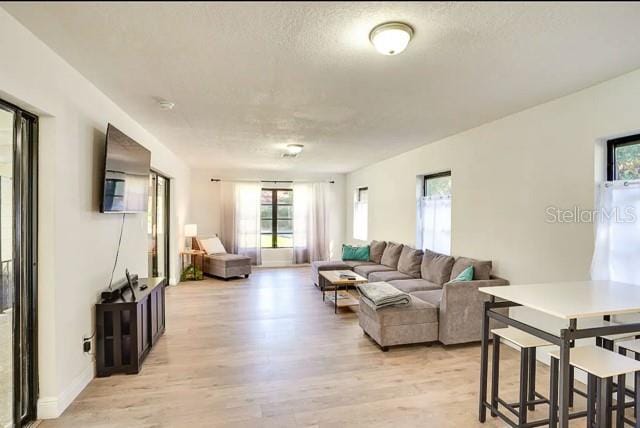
126	174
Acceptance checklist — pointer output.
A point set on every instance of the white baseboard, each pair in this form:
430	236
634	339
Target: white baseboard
52	407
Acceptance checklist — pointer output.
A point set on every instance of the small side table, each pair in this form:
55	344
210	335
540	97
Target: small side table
192	272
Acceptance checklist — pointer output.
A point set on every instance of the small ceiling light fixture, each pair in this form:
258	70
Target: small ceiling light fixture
391	38
294	149
166	105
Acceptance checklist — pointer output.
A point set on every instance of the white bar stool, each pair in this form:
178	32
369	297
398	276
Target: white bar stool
624	348
601	366
528	397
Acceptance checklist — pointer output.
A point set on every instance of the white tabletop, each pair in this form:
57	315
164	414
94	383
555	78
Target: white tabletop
566	300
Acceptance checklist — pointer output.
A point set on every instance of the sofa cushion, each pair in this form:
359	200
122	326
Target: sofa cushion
391	255
416	312
386	276
354	263
318	266
376	248
481	268
409	261
228	259
436	267
432	296
412	285
365	270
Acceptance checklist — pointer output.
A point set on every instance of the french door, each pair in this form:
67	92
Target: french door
158	225
18	280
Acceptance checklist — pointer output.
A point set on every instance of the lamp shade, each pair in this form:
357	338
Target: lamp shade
190	230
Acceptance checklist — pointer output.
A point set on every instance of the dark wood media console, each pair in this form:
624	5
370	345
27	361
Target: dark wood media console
127	330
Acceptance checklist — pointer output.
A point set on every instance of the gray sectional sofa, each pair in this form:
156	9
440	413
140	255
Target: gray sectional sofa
440	310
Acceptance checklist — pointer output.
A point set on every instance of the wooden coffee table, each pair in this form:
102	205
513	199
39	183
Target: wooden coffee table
332	277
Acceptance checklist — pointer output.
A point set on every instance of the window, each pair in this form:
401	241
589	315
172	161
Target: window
360	213
434	213
623	158
276	218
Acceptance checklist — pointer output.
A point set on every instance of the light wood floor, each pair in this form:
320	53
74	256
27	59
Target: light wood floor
266	352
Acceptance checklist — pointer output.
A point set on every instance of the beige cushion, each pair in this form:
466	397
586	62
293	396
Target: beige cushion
432	296
391	255
436	267
355	263
365	270
376	248
481	268
413	285
409	261
386	276
417	312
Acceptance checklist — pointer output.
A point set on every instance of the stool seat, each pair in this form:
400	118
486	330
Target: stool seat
612	337
600	362
520	338
631	345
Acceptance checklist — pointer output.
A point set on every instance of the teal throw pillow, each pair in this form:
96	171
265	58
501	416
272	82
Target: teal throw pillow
465	275
350	252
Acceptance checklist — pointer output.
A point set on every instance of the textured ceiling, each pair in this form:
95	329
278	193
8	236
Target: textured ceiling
248	78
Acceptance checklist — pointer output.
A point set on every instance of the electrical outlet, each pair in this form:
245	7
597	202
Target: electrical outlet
86	345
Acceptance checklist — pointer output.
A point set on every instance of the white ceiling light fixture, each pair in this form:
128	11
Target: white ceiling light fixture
293	150
166	105
391	38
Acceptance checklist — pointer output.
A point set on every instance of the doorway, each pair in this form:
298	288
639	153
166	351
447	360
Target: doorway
18	278
158	225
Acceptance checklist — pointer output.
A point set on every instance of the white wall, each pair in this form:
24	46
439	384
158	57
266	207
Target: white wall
504	175
205	203
77	243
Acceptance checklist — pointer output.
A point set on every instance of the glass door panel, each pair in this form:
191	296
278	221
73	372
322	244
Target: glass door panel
158	225
162	237
18	196
7	291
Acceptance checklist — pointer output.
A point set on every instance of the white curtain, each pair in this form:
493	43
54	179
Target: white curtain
434	224
241	219
617	248
311	240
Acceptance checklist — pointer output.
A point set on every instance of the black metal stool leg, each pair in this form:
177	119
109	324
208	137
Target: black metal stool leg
495	374
620	396
591	400
637	406
524	365
603	392
572	381
553	394
532	378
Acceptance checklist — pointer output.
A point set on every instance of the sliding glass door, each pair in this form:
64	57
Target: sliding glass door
158	225
18	371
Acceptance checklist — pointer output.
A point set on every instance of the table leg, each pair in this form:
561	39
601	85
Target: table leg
565	353
484	363
335	300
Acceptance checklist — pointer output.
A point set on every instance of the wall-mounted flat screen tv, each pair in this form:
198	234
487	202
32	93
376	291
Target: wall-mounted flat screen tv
126	174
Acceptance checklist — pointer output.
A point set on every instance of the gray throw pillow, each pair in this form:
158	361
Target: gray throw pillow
376	248
391	255
481	268
436	267
409	262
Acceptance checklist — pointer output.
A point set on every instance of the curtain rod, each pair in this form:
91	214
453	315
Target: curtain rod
217	180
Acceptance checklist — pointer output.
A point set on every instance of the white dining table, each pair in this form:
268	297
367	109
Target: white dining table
568	301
